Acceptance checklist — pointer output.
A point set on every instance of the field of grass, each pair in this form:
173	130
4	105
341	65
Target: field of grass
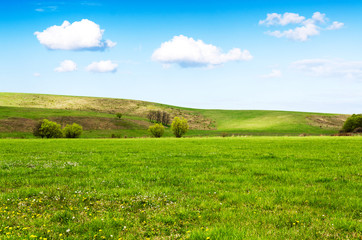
193	188
17	109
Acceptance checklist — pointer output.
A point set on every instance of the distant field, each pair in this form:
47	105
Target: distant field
19	113
195	188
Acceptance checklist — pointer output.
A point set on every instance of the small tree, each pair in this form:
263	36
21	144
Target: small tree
119	115
48	129
179	126
72	131
157	130
159	117
165	118
353	122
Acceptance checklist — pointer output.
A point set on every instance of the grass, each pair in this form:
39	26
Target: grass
194	188
266	122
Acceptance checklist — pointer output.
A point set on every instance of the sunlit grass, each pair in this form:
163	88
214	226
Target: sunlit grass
216	188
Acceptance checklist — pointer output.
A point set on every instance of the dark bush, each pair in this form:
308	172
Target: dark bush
36	130
116	135
119	115
353	122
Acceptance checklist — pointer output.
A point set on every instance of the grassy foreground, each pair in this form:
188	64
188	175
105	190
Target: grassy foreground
210	188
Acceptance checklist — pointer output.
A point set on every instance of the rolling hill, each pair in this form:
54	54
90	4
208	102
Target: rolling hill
19	112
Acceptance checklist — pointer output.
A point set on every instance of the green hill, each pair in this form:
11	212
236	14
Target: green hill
19	112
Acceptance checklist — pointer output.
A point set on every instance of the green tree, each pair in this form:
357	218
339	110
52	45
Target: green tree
157	130
179	126
48	129
353	122
119	115
72	131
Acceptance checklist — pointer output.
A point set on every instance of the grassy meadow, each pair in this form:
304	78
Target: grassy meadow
191	188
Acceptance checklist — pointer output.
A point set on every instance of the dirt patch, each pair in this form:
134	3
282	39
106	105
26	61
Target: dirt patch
17	125
328	122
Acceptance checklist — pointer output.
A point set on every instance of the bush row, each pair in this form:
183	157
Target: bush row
49	129
179	127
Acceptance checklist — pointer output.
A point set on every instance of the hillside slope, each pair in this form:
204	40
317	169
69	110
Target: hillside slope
19	112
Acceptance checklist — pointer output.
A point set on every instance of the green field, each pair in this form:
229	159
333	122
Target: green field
193	188
19	113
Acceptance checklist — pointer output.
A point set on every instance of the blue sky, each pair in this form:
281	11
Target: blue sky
274	55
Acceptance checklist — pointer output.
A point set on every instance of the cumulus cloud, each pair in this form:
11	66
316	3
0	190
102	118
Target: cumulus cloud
275	73
306	29
188	52
102	67
335	25
82	35
335	68
66	66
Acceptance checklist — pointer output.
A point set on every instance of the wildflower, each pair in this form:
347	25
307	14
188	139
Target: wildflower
61	234
68	230
33	236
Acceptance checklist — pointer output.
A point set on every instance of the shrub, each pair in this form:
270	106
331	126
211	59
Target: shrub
157	130
48	129
116	135
72	131
353	122
179	126
119	115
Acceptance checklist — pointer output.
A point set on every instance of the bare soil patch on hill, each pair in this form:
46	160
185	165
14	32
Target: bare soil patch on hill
332	122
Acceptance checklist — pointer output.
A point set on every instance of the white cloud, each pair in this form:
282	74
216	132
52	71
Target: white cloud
335	68
319	17
66	66
36	74
188	52
308	27
285	19
102	67
82	35
275	73
299	33
335	25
